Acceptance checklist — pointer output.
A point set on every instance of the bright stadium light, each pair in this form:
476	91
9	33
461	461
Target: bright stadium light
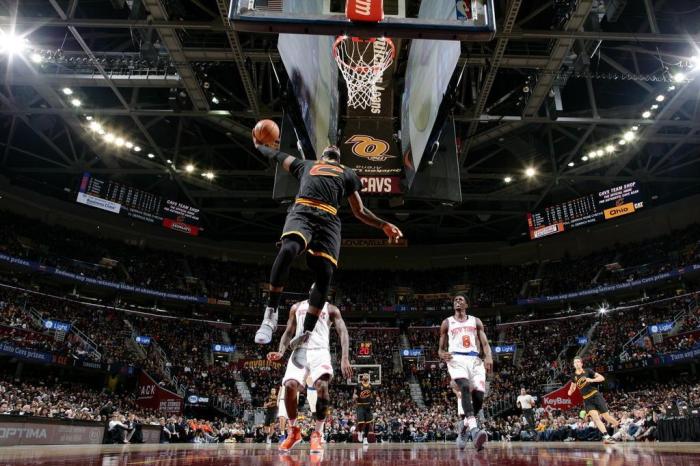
507	179
629	136
67	91
609	148
119	142
679	77
622	142
530	172
137	149
571	164
76	102
599	152
129	144
95	126
151	155
635	128
36	58
592	154
189	168
654	107
12	44
584	158
109	137
660	98
646	114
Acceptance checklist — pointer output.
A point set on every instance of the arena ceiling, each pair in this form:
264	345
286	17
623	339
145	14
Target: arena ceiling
174	79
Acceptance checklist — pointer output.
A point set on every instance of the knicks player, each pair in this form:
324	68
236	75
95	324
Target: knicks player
282	417
311	359
461	337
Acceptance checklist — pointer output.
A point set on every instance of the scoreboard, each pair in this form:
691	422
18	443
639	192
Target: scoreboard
121	199
587	210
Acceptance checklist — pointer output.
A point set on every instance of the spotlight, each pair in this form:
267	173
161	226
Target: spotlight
169	161
622	142
672	88
88	118
76	102
584	158
36	58
189	168
629	136
119	142
600	152
530	172
137	149
12	44
129	144
215	101
571	164
654	107
603	309
609	148
95	126
635	128
646	114
592	154
67	91
151	156
507	179
208	175
109	137
660	98
679	77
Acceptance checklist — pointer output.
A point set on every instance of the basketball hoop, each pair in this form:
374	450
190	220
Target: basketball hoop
362	63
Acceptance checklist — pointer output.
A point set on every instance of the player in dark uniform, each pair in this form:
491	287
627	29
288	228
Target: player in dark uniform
270	414
313	226
587	381
364	397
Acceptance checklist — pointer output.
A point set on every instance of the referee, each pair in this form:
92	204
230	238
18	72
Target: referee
526	402
363	397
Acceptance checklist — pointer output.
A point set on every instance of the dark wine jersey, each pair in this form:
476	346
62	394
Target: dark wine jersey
272	401
327	182
365	394
587	389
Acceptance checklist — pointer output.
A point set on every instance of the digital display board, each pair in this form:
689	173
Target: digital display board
57	326
365	349
587	210
121	199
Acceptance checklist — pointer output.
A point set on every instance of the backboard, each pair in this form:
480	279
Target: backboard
469	20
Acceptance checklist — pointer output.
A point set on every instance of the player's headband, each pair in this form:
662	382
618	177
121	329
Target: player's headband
332	152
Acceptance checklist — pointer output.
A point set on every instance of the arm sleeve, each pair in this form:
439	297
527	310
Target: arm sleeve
273	154
352	182
297	168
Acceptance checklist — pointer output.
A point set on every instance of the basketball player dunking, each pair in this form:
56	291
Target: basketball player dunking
461	338
587	381
312	225
311	359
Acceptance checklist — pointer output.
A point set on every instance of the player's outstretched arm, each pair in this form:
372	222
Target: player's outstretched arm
342	330
287	335
597	378
442	346
285	160
364	215
485	346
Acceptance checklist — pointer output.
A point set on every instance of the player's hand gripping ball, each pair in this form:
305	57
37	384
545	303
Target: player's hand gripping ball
392	232
267	133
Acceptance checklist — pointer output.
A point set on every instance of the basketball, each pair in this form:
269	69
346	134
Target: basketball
266	132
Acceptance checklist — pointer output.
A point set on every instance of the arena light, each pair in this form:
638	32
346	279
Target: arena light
168	161
584	158
679	77
129	144
508	179
622	142
635	128
67	91
672	88
189	168
660	98
36	58
592	154
12	44
151	156
119	142
530	172
603	309
214	100
95	126
208	175
646	114
571	164
629	136
654	107
76	102
137	149
109	137
599	152
609	148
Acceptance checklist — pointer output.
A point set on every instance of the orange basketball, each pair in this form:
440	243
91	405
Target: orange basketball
266	132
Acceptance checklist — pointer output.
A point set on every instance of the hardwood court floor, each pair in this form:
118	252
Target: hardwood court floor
506	454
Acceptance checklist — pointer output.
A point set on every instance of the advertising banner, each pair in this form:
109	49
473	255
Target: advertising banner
31	431
153	396
559	400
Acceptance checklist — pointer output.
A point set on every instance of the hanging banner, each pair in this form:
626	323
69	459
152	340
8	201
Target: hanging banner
153	396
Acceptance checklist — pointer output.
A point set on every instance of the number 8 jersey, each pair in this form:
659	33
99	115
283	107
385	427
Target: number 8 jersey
462	335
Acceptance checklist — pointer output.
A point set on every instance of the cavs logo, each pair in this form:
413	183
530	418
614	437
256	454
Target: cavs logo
370	148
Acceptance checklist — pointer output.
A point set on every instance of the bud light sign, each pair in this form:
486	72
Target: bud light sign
582	341
412	353
663	327
504	349
221	348
143	340
57	326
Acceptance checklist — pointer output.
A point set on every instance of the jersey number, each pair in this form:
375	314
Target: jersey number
323	169
466	341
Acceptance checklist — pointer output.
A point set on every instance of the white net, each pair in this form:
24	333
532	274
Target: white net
362	63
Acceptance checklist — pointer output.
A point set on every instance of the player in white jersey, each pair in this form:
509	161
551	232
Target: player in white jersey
461	339
311	359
